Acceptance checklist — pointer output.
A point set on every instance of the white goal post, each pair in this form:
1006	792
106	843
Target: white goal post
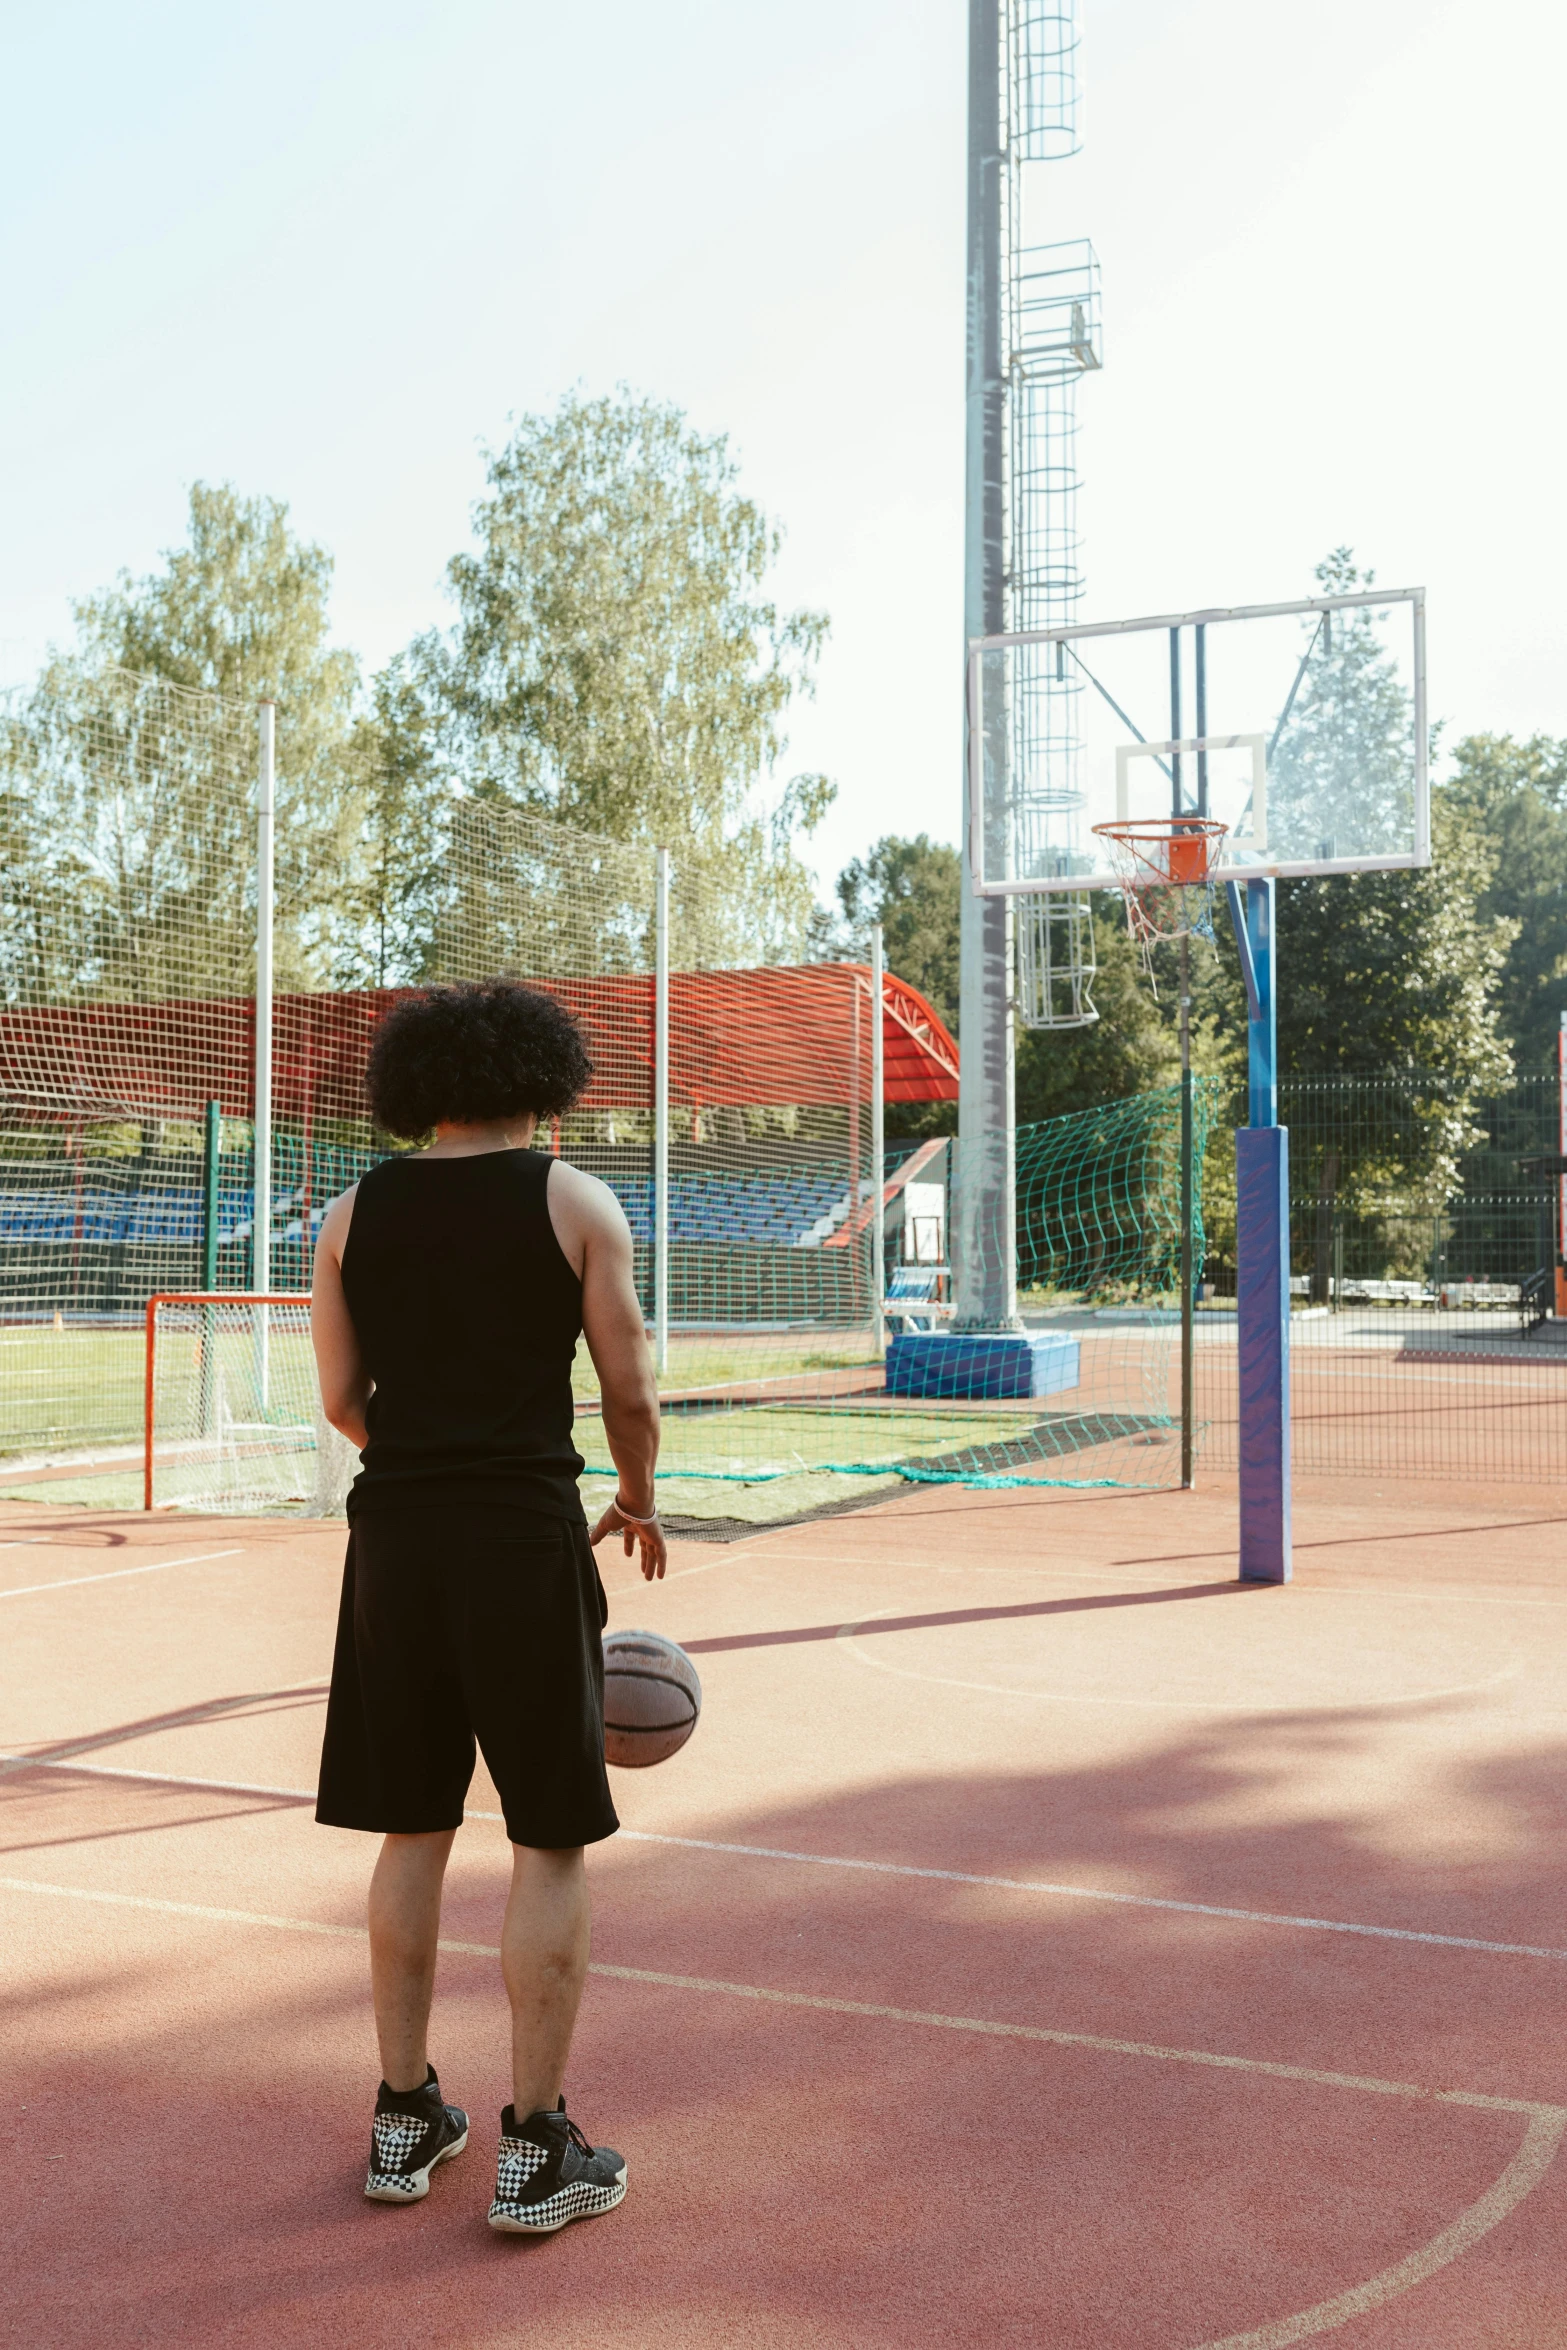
231	1417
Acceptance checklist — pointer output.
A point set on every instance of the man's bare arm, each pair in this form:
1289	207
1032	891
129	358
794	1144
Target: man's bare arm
592	1229
345	1383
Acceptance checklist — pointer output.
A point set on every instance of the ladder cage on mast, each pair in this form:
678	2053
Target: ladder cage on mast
1052	338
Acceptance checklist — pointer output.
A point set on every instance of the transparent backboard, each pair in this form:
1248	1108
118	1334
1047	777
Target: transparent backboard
1300	727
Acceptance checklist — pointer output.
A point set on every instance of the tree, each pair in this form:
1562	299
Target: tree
1343	767
1378	971
139	807
241	610
615	664
911	888
1515	794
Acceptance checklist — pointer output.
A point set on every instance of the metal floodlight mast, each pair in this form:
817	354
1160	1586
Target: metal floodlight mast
984	1236
1032	330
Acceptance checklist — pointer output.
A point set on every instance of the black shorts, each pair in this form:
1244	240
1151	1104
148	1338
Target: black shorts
470	1620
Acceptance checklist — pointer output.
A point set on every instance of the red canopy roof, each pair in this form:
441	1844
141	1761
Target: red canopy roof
786	1034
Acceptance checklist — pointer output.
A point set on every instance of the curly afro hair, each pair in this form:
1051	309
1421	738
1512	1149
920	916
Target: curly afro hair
486	1048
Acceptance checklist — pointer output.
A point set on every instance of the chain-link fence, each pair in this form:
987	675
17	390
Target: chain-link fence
1424	1244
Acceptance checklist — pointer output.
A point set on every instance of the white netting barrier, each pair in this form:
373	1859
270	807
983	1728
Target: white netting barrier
127	1043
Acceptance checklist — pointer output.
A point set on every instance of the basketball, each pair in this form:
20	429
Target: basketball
651	1699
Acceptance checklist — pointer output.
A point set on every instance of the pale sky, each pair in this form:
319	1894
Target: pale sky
325	251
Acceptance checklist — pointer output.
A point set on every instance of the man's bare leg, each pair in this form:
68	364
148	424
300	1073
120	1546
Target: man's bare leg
544	1961
405	1924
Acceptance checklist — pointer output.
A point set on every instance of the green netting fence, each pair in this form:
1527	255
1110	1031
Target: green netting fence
1425	1242
1099	1198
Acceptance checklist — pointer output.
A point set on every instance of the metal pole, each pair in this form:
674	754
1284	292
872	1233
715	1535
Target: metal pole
211	1150
878	1142
212	1144
261	1208
1559	1286
1177	795
1262	1028
984	1219
1188	1203
1200	682
661	1118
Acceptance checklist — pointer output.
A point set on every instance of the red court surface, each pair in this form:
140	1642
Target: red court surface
1044	1940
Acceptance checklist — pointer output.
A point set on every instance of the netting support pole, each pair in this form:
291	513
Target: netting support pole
1262	1236
661	1117
1559	1297
212	1145
1188	1205
261	1163
878	1140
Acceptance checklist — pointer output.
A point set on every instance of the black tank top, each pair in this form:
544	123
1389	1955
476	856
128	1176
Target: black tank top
467	1316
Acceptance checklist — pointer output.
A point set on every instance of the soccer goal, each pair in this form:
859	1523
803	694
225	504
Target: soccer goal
232	1421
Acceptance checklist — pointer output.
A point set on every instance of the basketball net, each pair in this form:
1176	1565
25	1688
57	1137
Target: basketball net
1164	867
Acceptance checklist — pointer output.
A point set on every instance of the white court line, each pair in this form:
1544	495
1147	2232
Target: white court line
42	1762
1201	1909
874	1868
1184	1705
155	1567
1312	2076
1545	2124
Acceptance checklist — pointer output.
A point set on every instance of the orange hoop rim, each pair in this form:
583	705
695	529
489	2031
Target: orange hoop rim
1136	841
1129	830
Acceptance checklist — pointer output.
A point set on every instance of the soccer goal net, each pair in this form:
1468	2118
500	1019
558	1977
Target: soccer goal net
231	1419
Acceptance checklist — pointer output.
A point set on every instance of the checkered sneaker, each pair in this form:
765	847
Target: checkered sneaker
411	2133
548	2174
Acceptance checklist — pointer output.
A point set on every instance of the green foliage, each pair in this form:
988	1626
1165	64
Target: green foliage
1515	794
126	843
122	801
404	883
1382	971
241	610
615	665
911	888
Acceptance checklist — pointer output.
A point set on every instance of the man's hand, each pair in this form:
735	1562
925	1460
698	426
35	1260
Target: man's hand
644	1534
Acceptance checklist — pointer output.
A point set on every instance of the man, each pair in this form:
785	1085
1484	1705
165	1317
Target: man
451	1287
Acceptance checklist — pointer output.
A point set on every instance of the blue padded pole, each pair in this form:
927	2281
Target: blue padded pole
1263	1315
1262	1220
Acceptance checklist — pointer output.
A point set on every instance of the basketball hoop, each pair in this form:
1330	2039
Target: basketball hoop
1164	866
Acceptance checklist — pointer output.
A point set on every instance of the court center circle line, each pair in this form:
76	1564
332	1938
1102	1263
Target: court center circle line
1202	1705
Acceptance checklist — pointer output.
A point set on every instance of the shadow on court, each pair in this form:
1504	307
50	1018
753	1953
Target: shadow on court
967	1615
197	2090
